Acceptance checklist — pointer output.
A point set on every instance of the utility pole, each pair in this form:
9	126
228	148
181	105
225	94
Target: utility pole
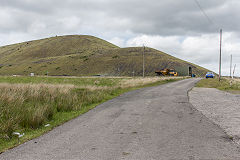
231	67
220	57
143	60
234	70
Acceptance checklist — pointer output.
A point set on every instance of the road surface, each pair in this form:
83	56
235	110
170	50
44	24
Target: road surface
221	107
150	123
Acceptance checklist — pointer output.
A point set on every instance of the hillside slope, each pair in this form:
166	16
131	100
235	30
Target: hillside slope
85	55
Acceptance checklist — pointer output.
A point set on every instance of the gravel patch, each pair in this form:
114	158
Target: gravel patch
221	107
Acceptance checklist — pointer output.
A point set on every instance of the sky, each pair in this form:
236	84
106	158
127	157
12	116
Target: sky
187	29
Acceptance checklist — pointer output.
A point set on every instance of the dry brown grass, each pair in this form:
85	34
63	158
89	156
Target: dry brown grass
233	81
236	79
35	88
133	82
127	82
94	87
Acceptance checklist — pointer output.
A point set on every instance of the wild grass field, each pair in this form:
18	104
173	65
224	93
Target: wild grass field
34	105
226	84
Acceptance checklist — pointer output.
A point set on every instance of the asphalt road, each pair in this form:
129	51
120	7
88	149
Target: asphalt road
150	123
221	107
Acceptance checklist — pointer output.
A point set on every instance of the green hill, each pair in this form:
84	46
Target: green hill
85	55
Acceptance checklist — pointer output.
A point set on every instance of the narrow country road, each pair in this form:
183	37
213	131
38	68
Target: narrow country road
150	123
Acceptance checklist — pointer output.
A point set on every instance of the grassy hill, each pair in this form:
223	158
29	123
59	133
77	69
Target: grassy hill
85	55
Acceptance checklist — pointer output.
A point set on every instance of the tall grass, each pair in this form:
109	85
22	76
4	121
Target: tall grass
29	106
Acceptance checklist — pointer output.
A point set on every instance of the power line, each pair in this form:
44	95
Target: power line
204	13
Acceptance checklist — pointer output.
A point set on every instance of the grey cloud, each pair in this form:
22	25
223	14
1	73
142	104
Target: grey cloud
164	17
42	7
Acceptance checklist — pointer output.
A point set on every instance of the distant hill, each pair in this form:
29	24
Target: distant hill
85	56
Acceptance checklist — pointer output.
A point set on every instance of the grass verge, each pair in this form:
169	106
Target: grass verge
229	85
28	105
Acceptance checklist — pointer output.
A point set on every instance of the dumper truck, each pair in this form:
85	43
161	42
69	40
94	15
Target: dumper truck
166	72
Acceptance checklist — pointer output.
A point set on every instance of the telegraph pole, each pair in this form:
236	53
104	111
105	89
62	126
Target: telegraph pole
231	67
143	60
220	57
234	71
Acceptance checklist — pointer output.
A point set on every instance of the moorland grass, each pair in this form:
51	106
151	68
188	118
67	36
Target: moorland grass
83	81
28	103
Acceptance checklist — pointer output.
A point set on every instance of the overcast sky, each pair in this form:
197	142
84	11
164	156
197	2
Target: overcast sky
177	27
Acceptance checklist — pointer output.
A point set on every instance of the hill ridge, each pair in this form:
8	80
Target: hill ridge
79	55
